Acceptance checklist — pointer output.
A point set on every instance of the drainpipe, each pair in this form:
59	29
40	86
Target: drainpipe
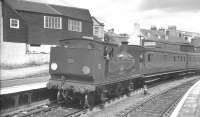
1	23
1	30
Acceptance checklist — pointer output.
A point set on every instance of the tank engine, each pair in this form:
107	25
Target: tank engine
90	71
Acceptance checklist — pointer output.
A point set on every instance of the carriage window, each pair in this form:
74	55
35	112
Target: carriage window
174	58
141	58
149	57
165	57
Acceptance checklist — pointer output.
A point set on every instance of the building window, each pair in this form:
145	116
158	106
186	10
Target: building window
52	22
14	23
165	57
74	25
96	30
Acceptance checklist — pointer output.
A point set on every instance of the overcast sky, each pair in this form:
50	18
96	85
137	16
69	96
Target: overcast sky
122	14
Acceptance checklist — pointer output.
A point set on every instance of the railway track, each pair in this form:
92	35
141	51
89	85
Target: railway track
66	112
160	105
53	109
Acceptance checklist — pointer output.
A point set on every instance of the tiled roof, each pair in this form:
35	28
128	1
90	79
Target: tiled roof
23	5
31	6
73	12
101	24
151	34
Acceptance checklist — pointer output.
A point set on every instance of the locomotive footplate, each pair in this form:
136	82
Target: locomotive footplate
76	86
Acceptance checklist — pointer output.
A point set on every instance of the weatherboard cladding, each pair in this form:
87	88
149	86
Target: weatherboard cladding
32	14
11	34
77	13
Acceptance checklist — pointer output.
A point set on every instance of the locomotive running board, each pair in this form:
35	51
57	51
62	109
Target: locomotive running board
164	73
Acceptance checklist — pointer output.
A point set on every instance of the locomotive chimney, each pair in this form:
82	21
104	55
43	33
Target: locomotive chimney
124	45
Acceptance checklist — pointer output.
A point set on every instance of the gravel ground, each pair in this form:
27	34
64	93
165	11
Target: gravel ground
112	109
157	106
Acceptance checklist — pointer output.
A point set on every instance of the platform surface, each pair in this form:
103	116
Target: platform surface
23	79
24	72
23	84
189	106
21	88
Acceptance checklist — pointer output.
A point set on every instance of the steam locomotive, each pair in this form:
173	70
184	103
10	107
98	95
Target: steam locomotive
87	71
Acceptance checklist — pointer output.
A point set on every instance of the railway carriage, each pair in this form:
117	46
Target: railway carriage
193	61
159	61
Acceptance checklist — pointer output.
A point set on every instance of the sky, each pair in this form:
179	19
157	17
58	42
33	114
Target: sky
122	14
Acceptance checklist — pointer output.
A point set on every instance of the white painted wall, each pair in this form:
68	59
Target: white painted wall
98	30
15	54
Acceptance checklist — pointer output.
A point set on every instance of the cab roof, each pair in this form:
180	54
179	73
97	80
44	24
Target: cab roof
88	40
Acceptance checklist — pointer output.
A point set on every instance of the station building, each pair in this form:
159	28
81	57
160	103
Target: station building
98	29
39	23
196	42
112	37
27	27
171	34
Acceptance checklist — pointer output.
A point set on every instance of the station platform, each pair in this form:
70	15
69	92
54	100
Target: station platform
189	106
23	84
24	72
23	79
21	88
